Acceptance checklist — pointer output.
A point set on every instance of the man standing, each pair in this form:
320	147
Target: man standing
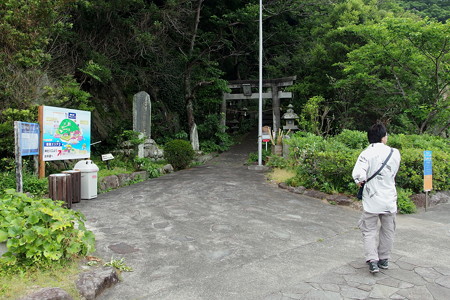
379	197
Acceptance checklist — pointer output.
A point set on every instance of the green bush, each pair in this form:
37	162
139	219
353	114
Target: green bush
31	183
179	153
352	139
253	156
327	164
38	232
424	142
277	162
404	203
146	164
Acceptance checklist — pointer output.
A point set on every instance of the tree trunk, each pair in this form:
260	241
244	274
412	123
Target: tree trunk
188	90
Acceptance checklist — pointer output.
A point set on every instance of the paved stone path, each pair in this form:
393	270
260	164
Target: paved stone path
221	231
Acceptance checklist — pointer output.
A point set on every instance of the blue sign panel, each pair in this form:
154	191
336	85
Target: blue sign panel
427	164
29	138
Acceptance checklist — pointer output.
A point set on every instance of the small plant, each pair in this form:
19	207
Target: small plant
148	165
253	156
119	264
39	232
404	202
179	153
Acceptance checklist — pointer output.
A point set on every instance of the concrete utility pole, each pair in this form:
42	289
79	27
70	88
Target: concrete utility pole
260	86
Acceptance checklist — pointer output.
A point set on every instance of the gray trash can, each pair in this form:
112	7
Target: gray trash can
88	171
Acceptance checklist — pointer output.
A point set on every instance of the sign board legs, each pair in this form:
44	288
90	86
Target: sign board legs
17	152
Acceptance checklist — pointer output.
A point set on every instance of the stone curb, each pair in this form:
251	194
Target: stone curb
89	284
120	180
335	199
342	200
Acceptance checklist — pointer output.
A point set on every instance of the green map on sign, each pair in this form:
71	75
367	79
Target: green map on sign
69	132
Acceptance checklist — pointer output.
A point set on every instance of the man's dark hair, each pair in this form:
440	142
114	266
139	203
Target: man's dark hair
376	132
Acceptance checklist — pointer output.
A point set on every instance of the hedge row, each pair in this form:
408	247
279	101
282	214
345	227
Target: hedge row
327	163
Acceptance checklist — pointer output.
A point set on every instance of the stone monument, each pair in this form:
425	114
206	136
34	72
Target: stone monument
142	118
142	112
194	138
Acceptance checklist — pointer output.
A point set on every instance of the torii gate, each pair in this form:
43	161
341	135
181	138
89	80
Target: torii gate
246	87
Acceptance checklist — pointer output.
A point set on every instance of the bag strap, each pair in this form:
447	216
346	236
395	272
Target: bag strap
382	166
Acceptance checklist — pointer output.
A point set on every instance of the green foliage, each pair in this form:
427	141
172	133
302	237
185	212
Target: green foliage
130	140
146	164
38	187
401	72
7	181
40	231
212	136
31	183
327	164
437	9
68	93
277	162
253	156
104	172
119	264
309	118
97	72
7	118
410	175
179	153
352	138
404	203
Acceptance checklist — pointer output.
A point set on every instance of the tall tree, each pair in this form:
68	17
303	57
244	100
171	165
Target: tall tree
404	70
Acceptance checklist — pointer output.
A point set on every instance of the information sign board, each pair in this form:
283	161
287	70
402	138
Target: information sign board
66	133
28	138
427	171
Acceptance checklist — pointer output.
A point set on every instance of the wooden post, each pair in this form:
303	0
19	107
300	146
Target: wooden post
18	155
276	108
41	139
223	113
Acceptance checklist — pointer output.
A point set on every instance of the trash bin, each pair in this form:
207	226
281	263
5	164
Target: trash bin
88	178
76	184
60	188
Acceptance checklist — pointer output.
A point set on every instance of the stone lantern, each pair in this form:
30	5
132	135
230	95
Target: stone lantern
234	125
290	118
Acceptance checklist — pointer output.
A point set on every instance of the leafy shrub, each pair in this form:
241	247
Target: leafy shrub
212	135
404	203
352	138
31	183
146	164
179	153
410	175
327	164
40	231
7	181
277	162
253	156
34	185
424	142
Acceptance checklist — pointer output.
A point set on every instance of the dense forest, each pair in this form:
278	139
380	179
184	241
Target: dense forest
356	61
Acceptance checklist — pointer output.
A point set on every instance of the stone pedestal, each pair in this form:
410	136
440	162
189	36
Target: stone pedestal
277	150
